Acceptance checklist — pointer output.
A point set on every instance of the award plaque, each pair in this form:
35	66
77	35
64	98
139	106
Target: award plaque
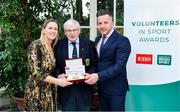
75	70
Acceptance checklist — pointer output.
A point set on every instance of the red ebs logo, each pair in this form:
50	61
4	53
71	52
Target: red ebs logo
144	58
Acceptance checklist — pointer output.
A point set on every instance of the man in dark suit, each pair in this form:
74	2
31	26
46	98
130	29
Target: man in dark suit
76	97
113	51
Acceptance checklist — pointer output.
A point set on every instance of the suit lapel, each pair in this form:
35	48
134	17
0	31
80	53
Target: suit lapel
65	49
81	48
108	43
97	40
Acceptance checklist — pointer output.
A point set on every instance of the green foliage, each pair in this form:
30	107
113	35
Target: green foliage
13	73
21	24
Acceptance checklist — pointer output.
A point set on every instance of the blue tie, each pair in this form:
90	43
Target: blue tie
74	53
102	42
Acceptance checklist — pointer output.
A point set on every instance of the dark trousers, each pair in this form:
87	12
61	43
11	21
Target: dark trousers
77	100
112	103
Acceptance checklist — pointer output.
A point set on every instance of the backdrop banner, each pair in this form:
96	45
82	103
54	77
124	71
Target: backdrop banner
153	27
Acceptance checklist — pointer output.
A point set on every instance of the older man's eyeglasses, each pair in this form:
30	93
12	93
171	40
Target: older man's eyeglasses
73	30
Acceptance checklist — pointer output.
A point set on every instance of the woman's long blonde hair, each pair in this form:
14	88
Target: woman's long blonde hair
44	25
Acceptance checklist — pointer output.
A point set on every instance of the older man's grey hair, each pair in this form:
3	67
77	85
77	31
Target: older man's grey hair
71	22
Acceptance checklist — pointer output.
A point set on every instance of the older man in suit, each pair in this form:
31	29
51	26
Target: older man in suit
113	51
76	97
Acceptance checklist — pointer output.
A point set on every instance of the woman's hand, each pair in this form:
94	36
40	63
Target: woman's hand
63	82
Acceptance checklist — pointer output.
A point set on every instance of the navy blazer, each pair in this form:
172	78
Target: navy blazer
112	64
88	51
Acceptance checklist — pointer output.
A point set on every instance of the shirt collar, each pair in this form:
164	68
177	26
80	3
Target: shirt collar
77	41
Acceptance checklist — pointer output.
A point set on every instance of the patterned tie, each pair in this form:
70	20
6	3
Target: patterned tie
74	53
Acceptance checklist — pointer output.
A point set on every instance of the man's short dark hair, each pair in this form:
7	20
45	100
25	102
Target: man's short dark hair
102	12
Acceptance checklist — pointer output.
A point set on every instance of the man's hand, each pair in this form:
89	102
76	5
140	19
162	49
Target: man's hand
91	78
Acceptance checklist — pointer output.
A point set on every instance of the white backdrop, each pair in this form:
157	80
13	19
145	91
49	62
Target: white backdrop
153	27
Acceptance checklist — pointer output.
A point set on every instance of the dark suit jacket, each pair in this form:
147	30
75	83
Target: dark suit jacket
87	50
112	65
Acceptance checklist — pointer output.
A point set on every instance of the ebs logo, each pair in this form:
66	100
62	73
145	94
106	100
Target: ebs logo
144	58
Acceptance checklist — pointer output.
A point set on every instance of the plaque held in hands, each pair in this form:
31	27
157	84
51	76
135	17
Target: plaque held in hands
75	70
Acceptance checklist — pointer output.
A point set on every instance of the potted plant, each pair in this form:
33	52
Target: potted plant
13	61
